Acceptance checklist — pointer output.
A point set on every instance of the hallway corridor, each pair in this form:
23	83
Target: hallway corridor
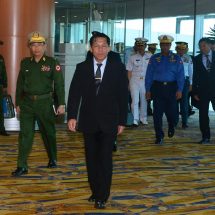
176	178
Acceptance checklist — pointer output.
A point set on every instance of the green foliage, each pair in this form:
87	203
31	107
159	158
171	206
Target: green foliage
211	33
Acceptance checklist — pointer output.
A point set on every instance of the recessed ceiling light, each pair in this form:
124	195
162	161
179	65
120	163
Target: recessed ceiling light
56	2
75	16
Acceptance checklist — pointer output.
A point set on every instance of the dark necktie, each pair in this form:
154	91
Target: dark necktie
208	63
98	77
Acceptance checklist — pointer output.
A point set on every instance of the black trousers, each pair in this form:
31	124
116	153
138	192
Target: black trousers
98	152
164	101
203	114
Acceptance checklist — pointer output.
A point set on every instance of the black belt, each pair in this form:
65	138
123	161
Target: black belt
39	97
165	83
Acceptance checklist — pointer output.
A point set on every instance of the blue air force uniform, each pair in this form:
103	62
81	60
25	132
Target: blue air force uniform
164	77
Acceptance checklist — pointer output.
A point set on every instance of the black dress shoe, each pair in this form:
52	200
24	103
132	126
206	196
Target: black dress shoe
204	141
159	141
20	171
99	204
92	199
4	133
115	147
171	132
52	164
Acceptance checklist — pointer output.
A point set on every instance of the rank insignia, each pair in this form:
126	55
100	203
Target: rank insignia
158	59
45	68
172	59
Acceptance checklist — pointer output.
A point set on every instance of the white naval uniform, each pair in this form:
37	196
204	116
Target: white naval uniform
188	67
137	65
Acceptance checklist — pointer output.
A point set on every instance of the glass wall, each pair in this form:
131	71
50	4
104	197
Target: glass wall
169	17
75	24
123	21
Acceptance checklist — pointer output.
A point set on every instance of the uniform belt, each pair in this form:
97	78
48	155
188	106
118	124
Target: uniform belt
39	97
139	77
165	83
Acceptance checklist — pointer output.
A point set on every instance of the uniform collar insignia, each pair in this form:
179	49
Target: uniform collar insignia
172	57
43	58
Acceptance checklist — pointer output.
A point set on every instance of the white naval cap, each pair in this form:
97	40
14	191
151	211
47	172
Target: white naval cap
165	39
140	41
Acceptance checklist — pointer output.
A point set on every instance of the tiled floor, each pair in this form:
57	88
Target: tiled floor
176	178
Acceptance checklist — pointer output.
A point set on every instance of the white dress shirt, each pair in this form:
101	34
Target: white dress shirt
204	58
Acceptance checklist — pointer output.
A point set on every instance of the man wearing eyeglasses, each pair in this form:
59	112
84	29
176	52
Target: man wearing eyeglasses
164	84
37	78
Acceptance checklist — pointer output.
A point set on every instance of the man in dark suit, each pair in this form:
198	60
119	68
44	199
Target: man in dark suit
102	87
112	56
204	85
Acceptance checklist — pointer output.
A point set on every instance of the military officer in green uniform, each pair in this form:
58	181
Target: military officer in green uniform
38	77
3	90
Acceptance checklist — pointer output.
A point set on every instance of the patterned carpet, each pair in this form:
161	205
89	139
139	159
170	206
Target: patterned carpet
177	178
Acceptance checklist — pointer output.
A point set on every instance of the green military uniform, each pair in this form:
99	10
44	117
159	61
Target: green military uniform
34	97
3	84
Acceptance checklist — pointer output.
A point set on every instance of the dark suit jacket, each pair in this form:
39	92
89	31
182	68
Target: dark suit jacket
203	81
108	109
113	56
